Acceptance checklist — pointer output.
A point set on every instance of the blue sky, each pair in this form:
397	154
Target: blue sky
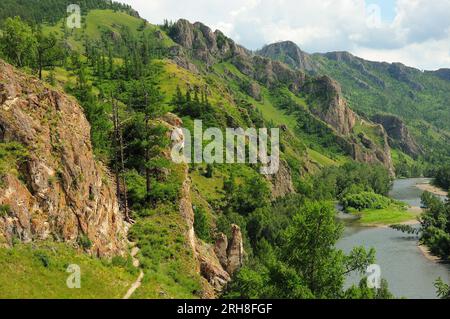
387	8
413	32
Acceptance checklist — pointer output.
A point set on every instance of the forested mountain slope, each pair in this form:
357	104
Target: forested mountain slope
196	225
419	100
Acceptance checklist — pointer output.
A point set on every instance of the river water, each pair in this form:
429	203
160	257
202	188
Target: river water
409	273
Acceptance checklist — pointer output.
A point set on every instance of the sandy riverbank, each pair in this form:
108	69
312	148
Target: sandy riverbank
428	255
427	187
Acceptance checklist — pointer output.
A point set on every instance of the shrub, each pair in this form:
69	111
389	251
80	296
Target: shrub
84	242
202	224
365	200
4	210
43	258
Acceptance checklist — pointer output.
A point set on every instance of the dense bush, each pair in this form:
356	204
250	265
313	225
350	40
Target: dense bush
442	177
202	225
435	225
365	200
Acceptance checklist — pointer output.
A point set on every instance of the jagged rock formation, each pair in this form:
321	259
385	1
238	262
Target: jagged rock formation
202	43
327	101
399	135
359	65
216	263
281	182
401	73
365	150
61	192
289	53
333	109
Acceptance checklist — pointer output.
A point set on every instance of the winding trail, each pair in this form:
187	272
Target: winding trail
138	281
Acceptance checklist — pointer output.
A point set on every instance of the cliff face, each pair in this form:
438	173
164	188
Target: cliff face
60	192
399	135
332	108
327	101
289	53
218	262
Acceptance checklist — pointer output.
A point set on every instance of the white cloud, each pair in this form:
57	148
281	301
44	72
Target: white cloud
418	36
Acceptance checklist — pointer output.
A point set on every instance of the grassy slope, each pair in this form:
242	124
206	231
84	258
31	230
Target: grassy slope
26	274
165	255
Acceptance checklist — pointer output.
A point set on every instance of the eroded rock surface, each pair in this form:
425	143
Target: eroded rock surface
60	192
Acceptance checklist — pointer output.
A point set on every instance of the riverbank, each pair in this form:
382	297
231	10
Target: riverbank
427	187
428	255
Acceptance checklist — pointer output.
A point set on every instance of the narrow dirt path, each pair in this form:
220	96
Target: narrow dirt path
138	281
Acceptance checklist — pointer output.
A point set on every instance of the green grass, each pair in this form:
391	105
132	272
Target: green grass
38	270
209	188
11	154
388	216
373	132
165	255
97	21
320	158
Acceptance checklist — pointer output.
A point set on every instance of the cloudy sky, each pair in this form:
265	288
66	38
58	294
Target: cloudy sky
414	32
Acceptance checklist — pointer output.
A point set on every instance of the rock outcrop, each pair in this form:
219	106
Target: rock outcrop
289	53
216	263
326	99
281	182
235	251
333	108
61	192
399	135
365	150
202	43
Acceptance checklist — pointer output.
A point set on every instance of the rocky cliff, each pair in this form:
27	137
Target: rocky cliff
216	263
289	53
332	107
60	191
267	68
399	135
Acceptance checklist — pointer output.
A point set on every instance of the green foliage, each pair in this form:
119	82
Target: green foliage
209	171
365	200
4	210
84	242
12	155
252	194
443	290
202	225
165	257
295	256
442	177
17	42
38	271
364	292
435	225
51	11
336	182
43	258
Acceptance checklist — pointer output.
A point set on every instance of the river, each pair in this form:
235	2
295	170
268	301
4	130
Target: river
409	273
